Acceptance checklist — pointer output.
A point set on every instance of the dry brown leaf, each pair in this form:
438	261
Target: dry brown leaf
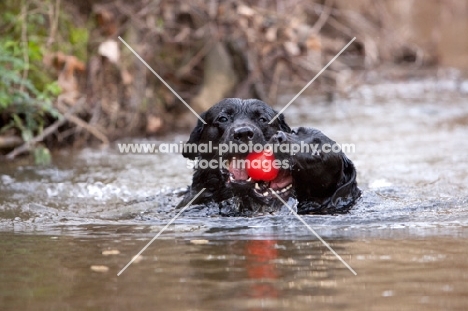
108	252
153	124
110	49
199	242
243	23
127	78
271	34
97	268
245	10
292	48
267	48
314	43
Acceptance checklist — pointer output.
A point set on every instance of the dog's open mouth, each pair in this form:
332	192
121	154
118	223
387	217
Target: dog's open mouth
238	176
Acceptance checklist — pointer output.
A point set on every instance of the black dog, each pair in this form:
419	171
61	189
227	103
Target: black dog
321	182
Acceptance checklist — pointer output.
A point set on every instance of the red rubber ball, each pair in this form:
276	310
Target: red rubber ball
262	166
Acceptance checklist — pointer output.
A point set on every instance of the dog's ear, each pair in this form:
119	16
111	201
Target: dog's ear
348	192
283	126
190	152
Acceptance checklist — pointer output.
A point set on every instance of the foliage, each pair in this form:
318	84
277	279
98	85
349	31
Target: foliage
20	98
26	90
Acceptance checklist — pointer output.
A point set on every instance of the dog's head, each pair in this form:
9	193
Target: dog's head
324	179
233	128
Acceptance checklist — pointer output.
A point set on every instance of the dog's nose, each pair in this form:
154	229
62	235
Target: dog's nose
243	133
280	137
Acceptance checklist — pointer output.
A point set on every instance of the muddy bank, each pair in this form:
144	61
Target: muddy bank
205	51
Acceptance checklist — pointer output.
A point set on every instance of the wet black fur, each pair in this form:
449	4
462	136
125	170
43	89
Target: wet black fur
324	183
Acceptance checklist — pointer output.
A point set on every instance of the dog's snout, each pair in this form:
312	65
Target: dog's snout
280	137
243	133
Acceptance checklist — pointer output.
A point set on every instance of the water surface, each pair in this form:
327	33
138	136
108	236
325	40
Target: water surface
68	229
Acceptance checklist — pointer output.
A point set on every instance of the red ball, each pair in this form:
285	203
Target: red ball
262	166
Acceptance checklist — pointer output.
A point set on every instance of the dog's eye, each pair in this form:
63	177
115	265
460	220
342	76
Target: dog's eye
262	119
222	119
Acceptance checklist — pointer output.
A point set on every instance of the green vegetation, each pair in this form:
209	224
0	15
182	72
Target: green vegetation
26	91
25	103
28	31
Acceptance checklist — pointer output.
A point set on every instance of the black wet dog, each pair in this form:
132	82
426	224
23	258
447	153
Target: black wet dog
322	180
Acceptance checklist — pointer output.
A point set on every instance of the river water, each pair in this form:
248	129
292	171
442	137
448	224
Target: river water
66	230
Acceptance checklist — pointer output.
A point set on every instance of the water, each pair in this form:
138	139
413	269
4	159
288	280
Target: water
53	273
406	238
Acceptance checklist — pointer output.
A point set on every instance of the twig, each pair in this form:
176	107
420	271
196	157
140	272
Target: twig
195	59
273	94
54	23
24	40
340	27
49	130
7	142
93	130
323	16
213	8
79	122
